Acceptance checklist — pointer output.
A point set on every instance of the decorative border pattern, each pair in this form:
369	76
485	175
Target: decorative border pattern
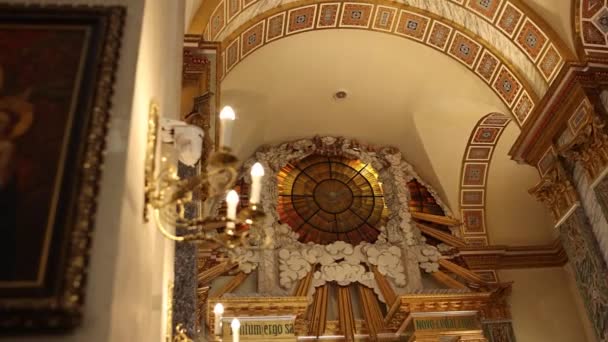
591	27
401	21
580	117
534	38
475	166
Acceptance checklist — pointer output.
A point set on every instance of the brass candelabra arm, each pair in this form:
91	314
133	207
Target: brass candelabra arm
168	195
181	335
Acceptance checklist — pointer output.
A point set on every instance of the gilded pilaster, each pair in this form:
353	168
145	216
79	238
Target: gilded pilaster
556	191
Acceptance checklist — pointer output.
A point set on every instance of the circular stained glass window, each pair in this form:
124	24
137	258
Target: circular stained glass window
328	199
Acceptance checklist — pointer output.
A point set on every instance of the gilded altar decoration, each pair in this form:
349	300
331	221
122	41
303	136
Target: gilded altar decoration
300	171
53	123
290	308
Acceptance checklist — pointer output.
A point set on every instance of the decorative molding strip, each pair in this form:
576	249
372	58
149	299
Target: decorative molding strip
505	257
560	110
521	27
485	60
475	167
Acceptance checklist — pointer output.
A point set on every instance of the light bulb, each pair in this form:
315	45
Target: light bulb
227	113
235	325
218	310
232	200
232	197
227	118
257	170
257	173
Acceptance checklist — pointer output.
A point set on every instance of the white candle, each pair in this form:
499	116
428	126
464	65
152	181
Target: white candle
235	325
218	310
227	117
232	200
257	173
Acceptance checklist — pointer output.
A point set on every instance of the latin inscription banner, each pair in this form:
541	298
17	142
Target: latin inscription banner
446	323
259	329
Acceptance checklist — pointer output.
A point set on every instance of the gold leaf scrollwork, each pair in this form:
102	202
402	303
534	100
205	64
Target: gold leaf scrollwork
556	191
180	334
589	147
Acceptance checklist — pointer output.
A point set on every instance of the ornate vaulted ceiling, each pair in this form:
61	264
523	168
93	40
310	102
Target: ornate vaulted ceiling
418	75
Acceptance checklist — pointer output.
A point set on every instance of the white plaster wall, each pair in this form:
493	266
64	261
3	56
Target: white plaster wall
131	264
191	7
544	306
513	216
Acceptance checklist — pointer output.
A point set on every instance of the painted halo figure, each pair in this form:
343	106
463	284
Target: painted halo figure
16	116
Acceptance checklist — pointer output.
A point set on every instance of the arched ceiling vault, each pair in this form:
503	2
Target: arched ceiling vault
505	15
500	43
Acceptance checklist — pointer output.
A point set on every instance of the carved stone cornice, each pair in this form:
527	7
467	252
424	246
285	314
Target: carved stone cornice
589	147
549	119
506	257
556	191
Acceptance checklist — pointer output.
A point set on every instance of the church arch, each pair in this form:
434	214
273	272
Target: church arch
511	26
513	87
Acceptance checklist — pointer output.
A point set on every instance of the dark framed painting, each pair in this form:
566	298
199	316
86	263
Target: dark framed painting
57	67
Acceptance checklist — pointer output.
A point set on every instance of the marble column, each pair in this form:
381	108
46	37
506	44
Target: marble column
591	200
601	192
184	292
590	269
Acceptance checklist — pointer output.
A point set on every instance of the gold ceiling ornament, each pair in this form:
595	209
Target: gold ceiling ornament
168	195
331	198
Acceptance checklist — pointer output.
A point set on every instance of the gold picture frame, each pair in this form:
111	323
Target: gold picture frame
57	70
